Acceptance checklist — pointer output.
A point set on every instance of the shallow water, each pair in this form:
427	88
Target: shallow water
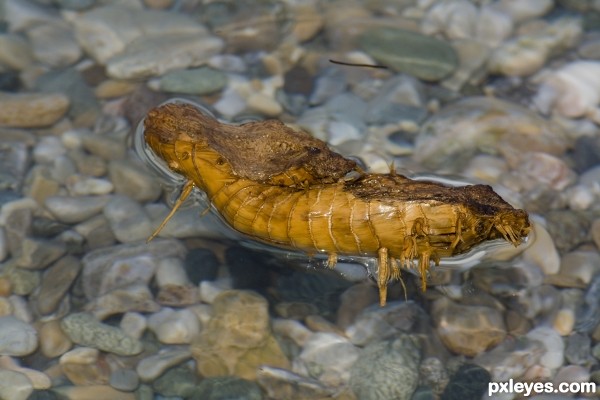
497	92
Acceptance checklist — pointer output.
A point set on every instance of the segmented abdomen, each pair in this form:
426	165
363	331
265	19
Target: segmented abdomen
317	219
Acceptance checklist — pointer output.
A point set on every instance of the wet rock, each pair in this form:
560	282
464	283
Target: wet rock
96	231
543	251
38	379
109	268
14	385
56	282
124	379
78	185
387	370
54	44
48	149
511	358
22	281
15	51
572	91
227	387
174	327
376	323
422	56
84	108
481	124
38	253
578	349
134	324
127	219
433	373
198	81
85	330
92	392
17	338
468	330
568	229
71	210
133	297
283	384
14	161
327	357
82	367
526	53
554	347
238	337
139	59
131	179
32	110
176	382
103	146
53	341
152	367
469	382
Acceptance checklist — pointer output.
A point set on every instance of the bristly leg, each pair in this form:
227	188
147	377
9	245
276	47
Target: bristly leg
185	192
383	274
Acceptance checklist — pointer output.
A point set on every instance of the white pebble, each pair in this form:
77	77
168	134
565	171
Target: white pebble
84	186
174	327
133	324
14	385
171	271
211	289
48	149
542	251
572	91
555	347
580	198
17	338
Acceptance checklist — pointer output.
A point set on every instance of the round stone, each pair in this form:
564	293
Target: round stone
410	52
17	338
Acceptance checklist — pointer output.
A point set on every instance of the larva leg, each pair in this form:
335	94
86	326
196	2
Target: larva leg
185	192
396	276
331	260
383	274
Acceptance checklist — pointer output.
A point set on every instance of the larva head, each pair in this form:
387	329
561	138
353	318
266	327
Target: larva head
491	217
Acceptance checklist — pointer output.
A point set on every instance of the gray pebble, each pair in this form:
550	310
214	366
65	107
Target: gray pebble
198	81
104	146
578	349
48	149
57	280
38	253
85	330
387	370
410	52
23	282
127	219
14	158
176	382
17	338
124	379
227	387
131	179
75	209
101	267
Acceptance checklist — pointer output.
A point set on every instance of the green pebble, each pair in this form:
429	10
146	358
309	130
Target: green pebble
85	330
410	52
198	81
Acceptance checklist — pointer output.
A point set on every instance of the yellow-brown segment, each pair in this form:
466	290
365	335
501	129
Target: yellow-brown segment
286	188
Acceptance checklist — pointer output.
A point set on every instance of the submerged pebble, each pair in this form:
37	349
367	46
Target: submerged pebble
503	93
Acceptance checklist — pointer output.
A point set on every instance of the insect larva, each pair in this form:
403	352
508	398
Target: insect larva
286	188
